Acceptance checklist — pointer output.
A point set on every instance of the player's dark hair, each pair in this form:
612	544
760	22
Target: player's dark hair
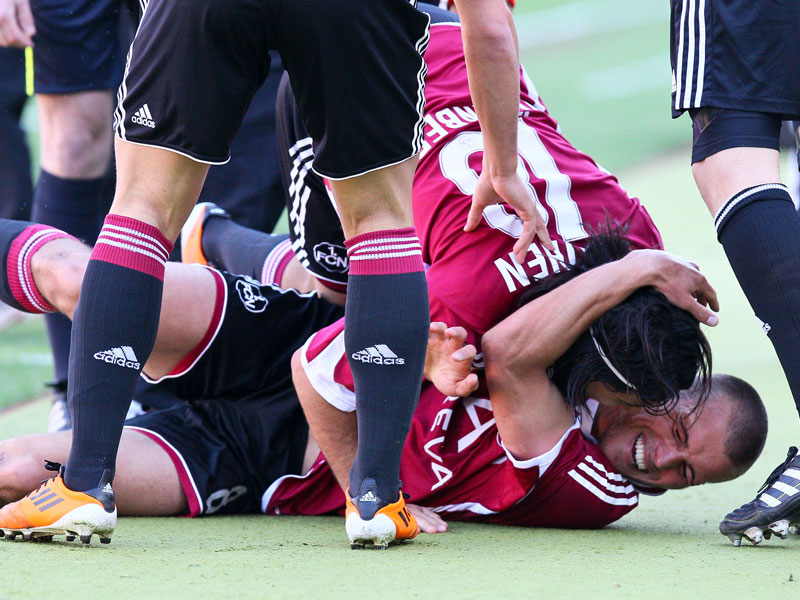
654	345
747	427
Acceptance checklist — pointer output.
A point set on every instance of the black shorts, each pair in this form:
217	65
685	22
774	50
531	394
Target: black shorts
12	86
736	54
227	452
235	424
356	67
314	226
249	345
77	45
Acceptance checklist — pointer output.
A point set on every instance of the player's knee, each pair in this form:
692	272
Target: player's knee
18	469
59	276
76	135
80	154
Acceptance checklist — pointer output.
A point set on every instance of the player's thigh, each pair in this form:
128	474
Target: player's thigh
357	70
249	342
192	297
147	482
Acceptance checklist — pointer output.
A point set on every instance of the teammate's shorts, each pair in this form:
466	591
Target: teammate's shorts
236	424
227	452
77	45
249	344
356	67
314	226
736	54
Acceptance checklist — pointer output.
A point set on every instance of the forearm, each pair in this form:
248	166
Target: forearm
541	331
492	57
336	431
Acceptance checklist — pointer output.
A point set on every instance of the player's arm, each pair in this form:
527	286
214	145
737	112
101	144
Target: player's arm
492	56
16	23
530	411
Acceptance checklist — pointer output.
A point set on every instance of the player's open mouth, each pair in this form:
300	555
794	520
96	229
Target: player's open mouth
637	453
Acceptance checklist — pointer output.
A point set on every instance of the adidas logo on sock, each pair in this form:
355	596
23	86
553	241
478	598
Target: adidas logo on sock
368	497
122	357
143	117
380	354
107	489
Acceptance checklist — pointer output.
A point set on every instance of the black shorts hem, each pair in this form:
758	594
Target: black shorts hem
73	89
384	164
177	150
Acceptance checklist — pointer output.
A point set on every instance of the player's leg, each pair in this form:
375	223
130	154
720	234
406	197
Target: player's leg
370	160
77	63
75	148
146	483
735	156
166	143
211	236
42	269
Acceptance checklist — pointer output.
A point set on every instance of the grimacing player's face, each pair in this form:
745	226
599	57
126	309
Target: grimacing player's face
668	451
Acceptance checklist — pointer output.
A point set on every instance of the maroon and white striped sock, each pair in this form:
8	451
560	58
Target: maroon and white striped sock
386	332
276	262
18	271
113	333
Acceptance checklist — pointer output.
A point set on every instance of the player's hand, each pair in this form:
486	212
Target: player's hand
448	361
428	521
681	282
513	191
16	23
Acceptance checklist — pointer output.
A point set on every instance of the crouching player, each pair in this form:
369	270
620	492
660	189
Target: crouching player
235	440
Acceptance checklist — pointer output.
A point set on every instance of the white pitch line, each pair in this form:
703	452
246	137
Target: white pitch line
584	18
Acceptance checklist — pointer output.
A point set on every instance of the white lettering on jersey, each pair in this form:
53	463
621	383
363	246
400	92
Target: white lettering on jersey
442	421
515	276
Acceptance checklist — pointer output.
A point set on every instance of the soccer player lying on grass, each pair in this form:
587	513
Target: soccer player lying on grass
463	268
235	440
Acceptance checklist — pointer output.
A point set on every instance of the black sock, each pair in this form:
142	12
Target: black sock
113	334
15	173
72	205
231	247
760	231
386	333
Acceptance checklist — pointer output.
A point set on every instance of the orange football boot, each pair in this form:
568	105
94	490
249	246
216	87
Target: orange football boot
391	524
192	232
54	509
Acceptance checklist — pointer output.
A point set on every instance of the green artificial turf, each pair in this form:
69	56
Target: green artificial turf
669	547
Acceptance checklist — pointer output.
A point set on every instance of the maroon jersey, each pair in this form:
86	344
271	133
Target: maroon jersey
453	460
474	279
454	463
